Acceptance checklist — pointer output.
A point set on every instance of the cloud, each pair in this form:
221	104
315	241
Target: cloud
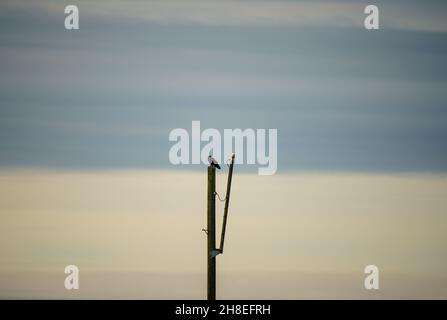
402	15
311	222
108	95
137	222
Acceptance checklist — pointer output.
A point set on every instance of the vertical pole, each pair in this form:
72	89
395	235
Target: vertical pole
227	201
211	228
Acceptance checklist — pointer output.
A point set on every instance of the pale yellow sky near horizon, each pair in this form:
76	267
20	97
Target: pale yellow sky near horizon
150	221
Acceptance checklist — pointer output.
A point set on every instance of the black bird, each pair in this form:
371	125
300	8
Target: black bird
213	162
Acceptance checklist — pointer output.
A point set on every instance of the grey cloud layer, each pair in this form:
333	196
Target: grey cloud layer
108	94
401	15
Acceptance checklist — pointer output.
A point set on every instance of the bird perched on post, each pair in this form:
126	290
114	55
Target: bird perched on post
213	162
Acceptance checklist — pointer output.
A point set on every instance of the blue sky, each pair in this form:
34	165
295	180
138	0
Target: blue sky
107	96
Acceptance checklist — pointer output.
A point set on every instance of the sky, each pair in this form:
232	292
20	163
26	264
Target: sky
137	234
108	94
85	177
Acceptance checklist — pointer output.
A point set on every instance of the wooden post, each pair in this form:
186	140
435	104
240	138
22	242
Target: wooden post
211	231
227	201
